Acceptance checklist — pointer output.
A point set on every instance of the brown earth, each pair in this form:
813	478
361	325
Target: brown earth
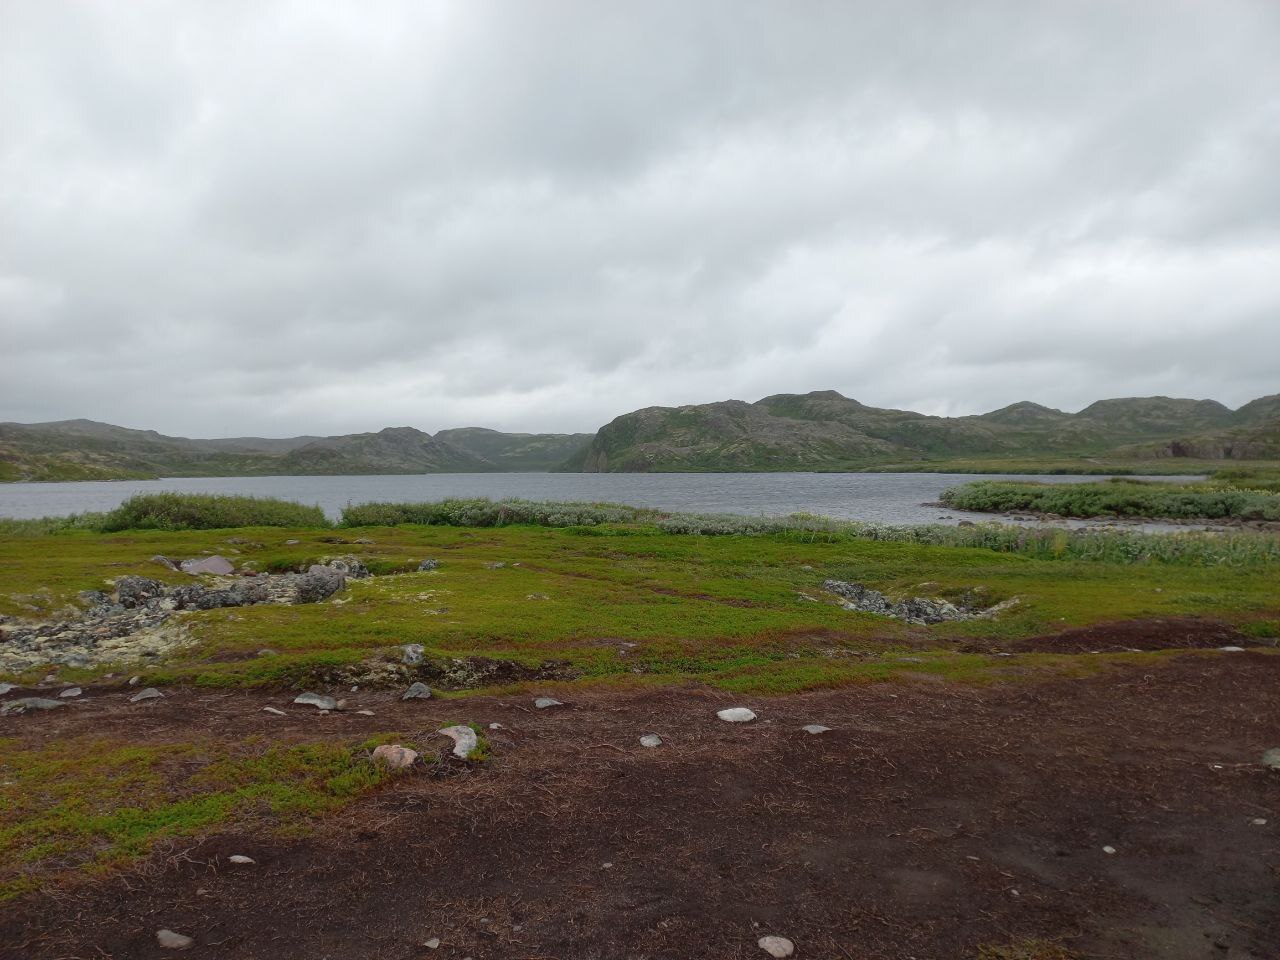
930	821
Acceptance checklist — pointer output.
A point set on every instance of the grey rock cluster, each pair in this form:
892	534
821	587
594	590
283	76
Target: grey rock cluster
855	596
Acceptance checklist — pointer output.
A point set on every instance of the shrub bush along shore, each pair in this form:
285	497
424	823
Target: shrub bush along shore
1120	498
201	512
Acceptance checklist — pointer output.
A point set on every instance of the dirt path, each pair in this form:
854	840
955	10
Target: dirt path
931	820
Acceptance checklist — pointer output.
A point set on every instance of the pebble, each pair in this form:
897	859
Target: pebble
71	692
365	713
6	687
240	858
1108	850
542	703
417	691
651	740
30	703
395	756
815	728
278	713
464	740
173	941
776	946
495	726
134	681
1271	759
738	715
150	693
317	700
1259	821
432	944
1232	649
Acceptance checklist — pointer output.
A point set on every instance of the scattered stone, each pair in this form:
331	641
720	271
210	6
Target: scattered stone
464	740
537	596
496	565
428	565
133	592
267	652
814	729
431	944
173	941
651	740
134	681
292	543
150	693
417	691
1259	821
240	859
365	713
1271	759
919	610
412	653
495	726
215	564
319	701
26	704
164	562
776	946
542	703
1230	649
736	715
350	566
6	687
1108	850
71	692
318	583
395	756
273	710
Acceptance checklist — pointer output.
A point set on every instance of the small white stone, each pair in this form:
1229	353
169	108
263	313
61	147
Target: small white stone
738	715
134	681
495	726
1259	821
651	740
776	946
365	713
1232	649
151	693
278	713
240	859
464	740
815	728
1108	849
432	944
173	941
608	865
71	692
395	756
542	703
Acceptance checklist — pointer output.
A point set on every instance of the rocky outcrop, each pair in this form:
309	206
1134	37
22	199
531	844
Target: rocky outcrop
919	610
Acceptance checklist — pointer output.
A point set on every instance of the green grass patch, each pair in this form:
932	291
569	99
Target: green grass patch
203	511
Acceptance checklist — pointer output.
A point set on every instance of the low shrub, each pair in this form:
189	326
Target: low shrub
1118	498
203	511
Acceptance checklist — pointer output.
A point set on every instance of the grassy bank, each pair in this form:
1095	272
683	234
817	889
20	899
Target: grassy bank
1237	495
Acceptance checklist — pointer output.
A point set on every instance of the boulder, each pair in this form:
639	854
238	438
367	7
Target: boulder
26	704
216	564
318	583
132	592
428	565
395	756
411	653
349	566
464	740
417	691
736	715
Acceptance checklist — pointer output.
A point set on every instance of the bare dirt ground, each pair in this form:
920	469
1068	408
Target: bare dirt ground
933	819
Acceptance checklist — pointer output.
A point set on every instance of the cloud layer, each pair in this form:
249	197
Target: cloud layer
287	217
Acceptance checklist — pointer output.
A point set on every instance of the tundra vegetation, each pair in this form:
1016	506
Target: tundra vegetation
587	594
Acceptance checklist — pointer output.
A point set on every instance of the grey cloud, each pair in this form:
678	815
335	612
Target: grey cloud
284	217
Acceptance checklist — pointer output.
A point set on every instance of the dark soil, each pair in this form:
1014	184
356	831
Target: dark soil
929	822
1157	633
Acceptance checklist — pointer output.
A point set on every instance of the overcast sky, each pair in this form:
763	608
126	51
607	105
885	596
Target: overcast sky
277	218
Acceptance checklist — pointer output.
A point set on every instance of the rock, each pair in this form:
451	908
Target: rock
1259	821
292	543
278	713
776	946
920	610
397	757
495	726
240	859
411	653
164	562
1271	759
216	564
150	693
173	941
417	691
431	944
134	681
542	703
71	692
464	740
26	704
1232	649
428	565
497	565
5	688
267	652
349	566
815	728
132	592
651	740
319	701
318	583
1108	850
736	715
365	713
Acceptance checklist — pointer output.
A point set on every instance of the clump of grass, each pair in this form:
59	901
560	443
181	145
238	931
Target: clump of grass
46	526
1118	498
483	512
204	511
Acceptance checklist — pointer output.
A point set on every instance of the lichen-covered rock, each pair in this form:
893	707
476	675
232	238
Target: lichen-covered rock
27	704
318	583
417	691
215	564
394	756
350	566
428	565
134	591
464	740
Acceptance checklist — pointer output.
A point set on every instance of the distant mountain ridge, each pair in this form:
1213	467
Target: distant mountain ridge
825	430
822	430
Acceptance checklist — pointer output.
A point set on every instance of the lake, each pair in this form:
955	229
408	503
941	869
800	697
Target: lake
882	497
